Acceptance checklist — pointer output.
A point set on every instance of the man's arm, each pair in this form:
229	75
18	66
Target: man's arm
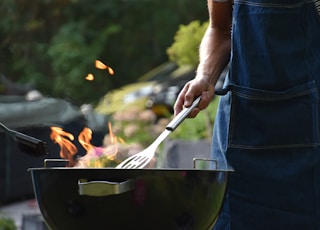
216	43
214	56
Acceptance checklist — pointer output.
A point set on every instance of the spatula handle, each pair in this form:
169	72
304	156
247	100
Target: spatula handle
182	115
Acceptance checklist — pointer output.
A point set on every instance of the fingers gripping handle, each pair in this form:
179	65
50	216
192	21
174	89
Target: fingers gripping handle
182	115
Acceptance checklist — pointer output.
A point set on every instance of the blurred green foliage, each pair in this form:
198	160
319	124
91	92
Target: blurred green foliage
7	223
185	49
53	44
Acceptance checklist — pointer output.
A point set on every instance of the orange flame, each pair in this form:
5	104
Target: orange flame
110	70
89	77
68	150
101	65
113	139
63	139
84	139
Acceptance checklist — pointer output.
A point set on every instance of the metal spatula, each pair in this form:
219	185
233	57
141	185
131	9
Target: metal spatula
140	160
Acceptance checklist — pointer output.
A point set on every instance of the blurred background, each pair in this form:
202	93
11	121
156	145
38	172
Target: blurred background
146	51
79	63
51	45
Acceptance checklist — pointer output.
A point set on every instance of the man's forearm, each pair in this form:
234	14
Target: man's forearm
214	54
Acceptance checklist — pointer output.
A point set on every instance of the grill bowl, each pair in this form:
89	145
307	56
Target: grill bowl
108	198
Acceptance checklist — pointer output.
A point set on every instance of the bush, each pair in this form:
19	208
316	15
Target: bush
185	49
7	224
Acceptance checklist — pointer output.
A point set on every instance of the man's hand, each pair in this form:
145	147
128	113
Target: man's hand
194	88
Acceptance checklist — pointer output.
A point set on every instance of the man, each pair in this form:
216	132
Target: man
267	125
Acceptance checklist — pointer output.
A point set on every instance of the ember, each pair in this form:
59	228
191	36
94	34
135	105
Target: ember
90	77
102	66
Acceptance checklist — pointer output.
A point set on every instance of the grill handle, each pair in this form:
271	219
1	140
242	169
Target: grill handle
104	188
182	115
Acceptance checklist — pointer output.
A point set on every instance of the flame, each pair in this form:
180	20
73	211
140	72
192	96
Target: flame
68	150
101	65
63	139
113	140
89	77
84	139
110	70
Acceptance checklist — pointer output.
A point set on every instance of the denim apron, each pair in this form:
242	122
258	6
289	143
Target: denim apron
267	124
